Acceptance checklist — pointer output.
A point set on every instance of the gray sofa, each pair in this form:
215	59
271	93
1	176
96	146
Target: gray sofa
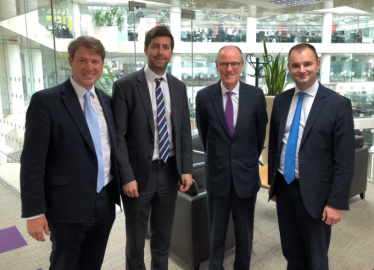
190	236
359	181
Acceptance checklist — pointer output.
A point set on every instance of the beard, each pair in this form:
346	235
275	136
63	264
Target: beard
158	67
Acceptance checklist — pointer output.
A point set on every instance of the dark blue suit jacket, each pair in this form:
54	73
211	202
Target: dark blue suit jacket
231	158
58	162
327	149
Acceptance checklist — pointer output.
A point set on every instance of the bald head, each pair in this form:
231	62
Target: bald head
229	48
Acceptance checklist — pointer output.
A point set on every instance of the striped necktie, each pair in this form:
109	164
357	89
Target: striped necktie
164	146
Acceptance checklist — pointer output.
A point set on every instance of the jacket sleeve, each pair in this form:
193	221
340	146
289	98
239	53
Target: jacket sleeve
344	156
272	148
120	114
201	120
33	158
261	122
186	138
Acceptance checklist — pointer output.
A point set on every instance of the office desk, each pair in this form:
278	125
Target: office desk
264	176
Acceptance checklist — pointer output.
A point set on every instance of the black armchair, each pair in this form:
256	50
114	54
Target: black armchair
359	181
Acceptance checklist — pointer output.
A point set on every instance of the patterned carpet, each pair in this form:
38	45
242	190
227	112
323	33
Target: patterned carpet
352	244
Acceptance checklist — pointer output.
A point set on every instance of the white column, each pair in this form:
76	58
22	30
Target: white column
176	66
175	23
3	78
37	70
15	84
76	20
251	24
327	23
325	68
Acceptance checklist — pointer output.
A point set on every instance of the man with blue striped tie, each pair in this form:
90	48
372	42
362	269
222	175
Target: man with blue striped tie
311	162
155	149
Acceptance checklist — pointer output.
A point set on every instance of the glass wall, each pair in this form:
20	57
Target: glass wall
352	29
33	56
290	28
215	27
352	68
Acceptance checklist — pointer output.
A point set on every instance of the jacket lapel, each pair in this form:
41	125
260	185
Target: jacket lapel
319	100
218	105
284	116
173	100
71	101
242	107
146	98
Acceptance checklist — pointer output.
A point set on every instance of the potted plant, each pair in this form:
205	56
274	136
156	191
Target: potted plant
275	78
106	24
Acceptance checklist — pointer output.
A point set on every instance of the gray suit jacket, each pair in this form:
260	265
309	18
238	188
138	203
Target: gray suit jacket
135	128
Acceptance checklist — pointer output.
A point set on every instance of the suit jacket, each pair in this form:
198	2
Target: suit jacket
327	150
135	127
231	158
58	162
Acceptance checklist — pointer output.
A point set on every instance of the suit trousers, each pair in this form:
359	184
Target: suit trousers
243	217
82	245
156	202
305	240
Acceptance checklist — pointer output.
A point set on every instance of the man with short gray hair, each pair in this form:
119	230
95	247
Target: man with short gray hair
231	119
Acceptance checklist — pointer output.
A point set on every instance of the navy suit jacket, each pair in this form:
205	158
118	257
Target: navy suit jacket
231	158
135	127
327	150
58	162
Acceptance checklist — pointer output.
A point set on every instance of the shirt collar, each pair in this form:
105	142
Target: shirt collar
311	91
151	76
235	90
81	90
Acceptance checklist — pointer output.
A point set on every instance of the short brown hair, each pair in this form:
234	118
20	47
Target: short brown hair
158	31
301	47
92	44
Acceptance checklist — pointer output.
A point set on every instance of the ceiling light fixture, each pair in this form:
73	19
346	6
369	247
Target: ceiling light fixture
292	3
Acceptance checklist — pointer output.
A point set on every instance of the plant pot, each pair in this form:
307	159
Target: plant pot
108	35
269	108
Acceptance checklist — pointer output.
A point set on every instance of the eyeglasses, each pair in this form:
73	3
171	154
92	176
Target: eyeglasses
226	65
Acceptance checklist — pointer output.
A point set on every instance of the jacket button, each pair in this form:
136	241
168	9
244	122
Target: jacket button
152	140
232	145
232	159
93	180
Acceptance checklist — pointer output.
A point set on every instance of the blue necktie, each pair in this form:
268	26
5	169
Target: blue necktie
289	160
164	145
94	127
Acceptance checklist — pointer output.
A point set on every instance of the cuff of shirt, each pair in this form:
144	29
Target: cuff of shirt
34	217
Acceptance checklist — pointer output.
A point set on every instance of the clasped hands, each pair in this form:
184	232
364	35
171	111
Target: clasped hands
131	189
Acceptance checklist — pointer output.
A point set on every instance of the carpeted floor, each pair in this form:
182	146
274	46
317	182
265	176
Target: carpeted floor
352	244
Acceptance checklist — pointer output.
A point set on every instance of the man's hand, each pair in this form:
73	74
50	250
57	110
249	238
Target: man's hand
131	189
274	198
36	226
187	182
331	216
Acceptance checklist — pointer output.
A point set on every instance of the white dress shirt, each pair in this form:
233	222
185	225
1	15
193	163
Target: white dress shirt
234	99
151	76
104	132
305	110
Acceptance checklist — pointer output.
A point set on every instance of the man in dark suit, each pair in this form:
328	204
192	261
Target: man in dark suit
154	149
69	174
231	119
311	161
